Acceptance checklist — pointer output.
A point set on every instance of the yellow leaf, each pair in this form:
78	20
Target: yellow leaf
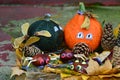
63	75
110	75
16	71
93	67
18	41
86	23
115	32
24	28
73	78
117	75
94	78
106	67
19	54
84	77
43	33
32	40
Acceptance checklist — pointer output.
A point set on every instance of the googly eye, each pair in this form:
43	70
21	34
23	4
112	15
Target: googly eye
69	55
63	55
89	36
71	67
47	60
80	35
78	67
83	62
41	61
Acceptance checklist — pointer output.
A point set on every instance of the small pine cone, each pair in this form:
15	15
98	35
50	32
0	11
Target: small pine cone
30	51
108	40
118	38
81	51
116	56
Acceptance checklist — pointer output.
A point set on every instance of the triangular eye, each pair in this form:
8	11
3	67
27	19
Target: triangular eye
80	35
89	36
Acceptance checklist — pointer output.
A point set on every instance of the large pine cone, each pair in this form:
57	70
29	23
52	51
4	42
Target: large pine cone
116	56
30	51
108	40
118	38
81	51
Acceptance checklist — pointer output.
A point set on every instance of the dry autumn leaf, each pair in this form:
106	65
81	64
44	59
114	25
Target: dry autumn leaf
93	68
106	67
32	40
18	41
43	33
86	23
19	53
16	71
24	28
63	75
115	32
73	78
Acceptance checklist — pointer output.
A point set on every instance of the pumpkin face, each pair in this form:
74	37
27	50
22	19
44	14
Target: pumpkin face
50	43
75	34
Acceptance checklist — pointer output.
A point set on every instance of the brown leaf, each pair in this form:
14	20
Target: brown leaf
73	78
16	71
94	78
93	67
21	77
106	67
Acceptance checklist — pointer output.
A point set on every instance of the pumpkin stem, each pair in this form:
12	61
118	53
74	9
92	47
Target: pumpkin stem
47	17
82	7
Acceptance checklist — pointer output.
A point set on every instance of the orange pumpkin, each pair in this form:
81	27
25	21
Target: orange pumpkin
74	33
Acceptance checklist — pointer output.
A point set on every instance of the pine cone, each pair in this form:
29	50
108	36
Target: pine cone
116	56
108	40
30	51
81	51
118	38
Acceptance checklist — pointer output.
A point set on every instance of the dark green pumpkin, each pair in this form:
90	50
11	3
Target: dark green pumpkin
47	43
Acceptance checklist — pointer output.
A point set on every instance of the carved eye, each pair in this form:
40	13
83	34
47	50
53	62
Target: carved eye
89	36
80	35
63	55
69	55
78	67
